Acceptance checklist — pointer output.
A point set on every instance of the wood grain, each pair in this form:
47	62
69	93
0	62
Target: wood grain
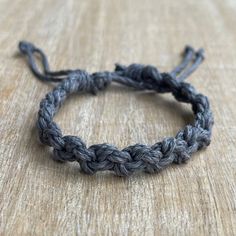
41	197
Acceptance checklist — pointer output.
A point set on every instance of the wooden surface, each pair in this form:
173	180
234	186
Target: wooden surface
41	197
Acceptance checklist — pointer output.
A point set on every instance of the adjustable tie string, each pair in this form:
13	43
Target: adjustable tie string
188	56
199	57
122	74
30	50
138	157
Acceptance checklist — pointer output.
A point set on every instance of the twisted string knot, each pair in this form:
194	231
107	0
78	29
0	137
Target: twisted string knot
81	80
50	133
100	80
146	74
73	149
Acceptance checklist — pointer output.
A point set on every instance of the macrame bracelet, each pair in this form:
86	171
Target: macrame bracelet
139	157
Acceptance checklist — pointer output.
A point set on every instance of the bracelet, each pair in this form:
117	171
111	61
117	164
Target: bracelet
138	157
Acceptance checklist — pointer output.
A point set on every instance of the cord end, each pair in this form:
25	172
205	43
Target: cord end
188	49
201	53
26	47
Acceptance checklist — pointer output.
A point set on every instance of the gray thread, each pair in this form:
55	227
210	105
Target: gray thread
139	157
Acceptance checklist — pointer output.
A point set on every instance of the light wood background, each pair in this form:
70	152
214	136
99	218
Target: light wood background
41	197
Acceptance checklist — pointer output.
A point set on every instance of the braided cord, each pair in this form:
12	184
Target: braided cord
138	157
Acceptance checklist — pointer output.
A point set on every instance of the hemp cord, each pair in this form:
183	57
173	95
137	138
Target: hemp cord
138	157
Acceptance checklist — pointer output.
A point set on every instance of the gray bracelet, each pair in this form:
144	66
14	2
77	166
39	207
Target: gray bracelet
138	157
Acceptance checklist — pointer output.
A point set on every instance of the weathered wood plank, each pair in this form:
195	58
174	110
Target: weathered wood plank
41	197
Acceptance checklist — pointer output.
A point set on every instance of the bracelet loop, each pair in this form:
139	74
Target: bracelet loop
138	157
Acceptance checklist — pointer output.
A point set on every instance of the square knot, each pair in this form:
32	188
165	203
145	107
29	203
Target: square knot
99	81
140	73
80	80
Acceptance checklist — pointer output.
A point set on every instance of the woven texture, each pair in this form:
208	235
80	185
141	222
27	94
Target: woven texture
139	157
